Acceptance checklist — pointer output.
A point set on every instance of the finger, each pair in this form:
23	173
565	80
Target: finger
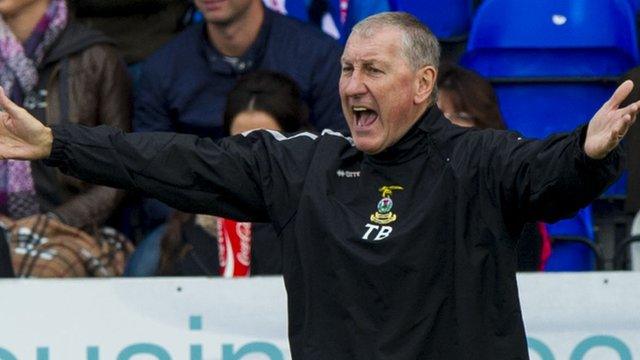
634	109
4	117
631	110
9	106
633	120
621	127
621	94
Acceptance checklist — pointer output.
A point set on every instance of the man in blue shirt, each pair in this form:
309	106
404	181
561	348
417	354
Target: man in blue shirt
183	85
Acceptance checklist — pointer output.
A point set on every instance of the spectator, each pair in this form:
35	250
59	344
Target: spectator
61	72
183	86
139	27
262	99
632	203
468	100
265	98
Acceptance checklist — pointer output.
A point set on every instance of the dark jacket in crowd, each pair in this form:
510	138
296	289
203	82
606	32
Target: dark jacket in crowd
82	80
407	254
6	269
138	27
184	85
632	141
633	164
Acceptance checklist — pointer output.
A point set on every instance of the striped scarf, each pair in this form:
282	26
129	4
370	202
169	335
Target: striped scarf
19	77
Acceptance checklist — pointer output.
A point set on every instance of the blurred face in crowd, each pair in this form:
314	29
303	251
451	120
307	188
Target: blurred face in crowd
250	120
223	11
9	8
446	103
382	95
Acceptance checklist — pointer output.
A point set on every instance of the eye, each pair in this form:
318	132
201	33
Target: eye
347	69
373	70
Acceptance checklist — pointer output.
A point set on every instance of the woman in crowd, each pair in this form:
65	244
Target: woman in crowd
60	72
187	244
468	100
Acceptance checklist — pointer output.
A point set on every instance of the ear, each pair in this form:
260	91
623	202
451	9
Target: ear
425	83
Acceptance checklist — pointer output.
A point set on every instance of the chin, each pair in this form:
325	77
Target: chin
367	146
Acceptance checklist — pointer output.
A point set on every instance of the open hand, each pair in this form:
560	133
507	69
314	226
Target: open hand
610	124
22	137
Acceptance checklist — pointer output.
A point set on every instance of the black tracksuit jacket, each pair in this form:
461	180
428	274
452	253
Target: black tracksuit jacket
407	254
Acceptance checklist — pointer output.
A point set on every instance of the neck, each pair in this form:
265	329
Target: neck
235	37
24	21
421	110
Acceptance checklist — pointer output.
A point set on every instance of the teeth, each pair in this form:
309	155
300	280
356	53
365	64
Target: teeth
359	108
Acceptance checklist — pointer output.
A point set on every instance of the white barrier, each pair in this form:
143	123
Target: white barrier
594	316
167	319
568	316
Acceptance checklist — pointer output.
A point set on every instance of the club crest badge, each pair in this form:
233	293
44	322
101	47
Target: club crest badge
384	215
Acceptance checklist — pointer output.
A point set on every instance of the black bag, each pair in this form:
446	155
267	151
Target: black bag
6	269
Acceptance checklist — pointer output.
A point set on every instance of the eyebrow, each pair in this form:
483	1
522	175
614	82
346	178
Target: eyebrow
364	62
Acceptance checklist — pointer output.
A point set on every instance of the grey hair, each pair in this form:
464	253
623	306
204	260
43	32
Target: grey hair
419	46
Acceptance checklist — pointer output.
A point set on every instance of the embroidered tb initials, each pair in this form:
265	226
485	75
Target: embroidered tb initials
382	231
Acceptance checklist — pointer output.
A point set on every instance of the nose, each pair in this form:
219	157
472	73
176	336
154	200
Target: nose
353	84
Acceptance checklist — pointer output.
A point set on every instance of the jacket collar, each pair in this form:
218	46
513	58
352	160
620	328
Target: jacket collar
414	142
433	120
247	61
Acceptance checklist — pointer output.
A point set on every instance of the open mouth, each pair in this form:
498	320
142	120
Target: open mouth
364	116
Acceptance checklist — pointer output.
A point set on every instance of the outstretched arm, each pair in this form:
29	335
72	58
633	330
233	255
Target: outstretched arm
256	177
610	124
552	178
187	172
22	137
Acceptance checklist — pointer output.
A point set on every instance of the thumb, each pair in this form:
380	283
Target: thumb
621	94
9	106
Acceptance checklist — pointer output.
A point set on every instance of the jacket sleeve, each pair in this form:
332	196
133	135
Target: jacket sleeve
113	87
546	179
248	178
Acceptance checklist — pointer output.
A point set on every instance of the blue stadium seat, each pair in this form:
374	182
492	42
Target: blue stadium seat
553	62
449	20
573	247
553	38
355	11
618	190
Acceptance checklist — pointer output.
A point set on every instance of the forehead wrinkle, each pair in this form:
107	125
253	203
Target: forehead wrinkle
372	56
372	45
363	60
